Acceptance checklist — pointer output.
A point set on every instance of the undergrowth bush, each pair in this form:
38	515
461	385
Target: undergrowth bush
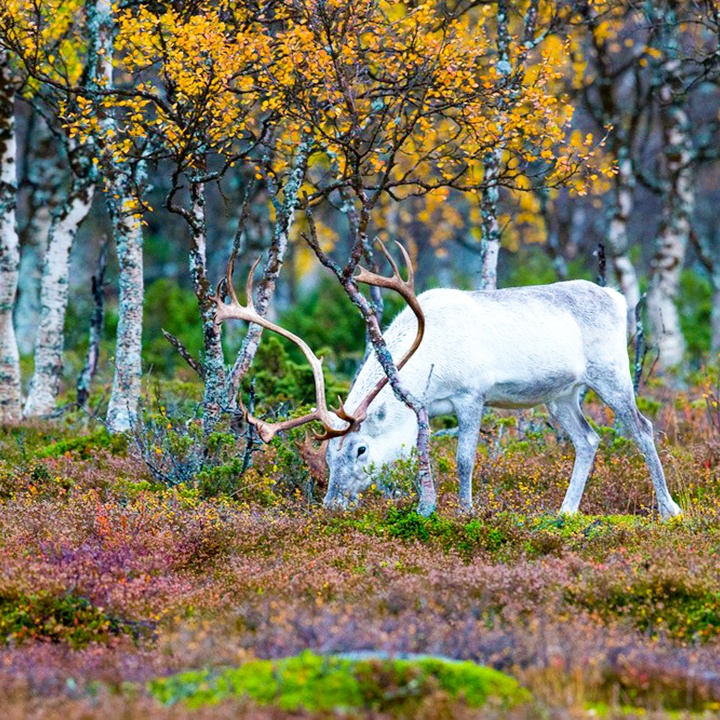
57	618
86	446
668	602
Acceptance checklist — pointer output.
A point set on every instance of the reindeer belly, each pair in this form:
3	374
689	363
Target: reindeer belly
538	390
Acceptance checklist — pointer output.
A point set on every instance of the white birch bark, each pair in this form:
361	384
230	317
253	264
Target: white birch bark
616	236
490	225
10	393
672	239
492	162
662	294
27	307
45	382
215	393
126	388
45	173
128	237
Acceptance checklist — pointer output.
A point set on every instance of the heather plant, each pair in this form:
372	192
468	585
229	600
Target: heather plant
668	601
606	609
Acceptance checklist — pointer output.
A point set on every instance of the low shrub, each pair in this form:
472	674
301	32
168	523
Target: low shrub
657	602
86	446
57	618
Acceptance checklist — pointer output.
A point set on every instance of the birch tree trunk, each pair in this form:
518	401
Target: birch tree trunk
126	389
120	185
45	174
489	224
32	252
616	237
215	393
45	382
492	162
490	194
672	239
10	394
283	222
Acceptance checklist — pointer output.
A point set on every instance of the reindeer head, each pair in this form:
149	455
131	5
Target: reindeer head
353	443
386	435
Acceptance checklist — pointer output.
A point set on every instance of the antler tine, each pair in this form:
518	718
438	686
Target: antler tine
406	288
389	257
406	257
249	286
341	412
408	263
229	288
395	282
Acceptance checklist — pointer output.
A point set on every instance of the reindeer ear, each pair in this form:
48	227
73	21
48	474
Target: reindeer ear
373	425
381	413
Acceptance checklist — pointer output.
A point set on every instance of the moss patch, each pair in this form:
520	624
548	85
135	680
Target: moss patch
317	683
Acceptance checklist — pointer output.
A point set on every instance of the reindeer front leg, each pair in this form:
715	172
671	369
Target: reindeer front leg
469	416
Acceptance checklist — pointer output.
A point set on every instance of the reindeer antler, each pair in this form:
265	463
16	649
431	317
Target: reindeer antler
235	311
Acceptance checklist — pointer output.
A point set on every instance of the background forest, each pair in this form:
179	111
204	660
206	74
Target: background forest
164	136
147	531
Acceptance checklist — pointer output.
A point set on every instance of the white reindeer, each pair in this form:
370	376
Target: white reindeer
510	348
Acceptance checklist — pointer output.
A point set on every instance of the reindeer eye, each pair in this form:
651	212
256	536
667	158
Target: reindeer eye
361	450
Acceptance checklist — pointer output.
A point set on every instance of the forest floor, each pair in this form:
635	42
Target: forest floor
111	580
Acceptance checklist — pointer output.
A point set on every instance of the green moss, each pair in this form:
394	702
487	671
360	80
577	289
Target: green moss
318	683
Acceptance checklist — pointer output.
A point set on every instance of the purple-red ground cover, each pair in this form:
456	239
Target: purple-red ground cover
110	580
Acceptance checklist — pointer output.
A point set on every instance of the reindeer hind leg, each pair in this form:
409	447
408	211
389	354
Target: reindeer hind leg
567	413
469	415
618	393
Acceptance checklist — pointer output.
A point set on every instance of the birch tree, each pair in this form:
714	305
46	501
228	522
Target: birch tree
123	186
610	54
49	340
639	68
193	103
43	177
53	59
10	397
510	65
678	188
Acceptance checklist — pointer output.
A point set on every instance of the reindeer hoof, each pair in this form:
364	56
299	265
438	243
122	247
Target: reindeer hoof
670	511
466	509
